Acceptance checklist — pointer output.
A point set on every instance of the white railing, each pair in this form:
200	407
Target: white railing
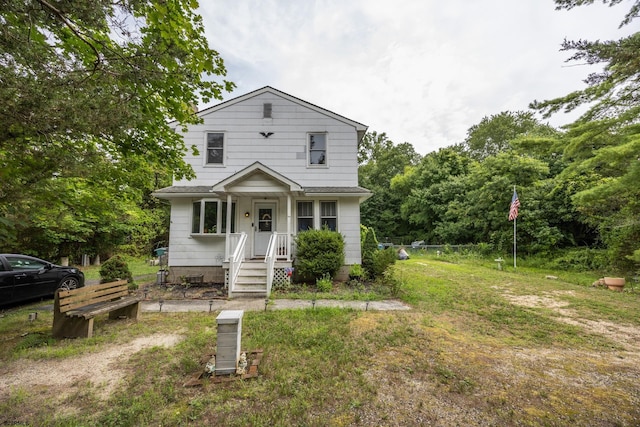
232	243
270	260
236	259
277	249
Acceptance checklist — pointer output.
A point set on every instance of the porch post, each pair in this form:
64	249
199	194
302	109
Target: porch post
289	227
228	231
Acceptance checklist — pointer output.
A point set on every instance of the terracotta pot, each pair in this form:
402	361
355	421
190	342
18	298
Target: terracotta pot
614	283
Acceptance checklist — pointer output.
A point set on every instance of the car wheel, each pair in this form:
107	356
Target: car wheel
68	283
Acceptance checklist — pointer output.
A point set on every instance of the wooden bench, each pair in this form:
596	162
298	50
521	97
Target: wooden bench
74	310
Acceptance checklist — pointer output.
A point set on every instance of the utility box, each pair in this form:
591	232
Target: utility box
228	341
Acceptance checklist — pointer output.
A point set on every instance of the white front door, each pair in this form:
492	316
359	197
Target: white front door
264	226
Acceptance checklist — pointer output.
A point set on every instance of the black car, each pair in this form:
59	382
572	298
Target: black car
24	278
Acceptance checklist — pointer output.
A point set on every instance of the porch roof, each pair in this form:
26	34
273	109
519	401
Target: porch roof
207	191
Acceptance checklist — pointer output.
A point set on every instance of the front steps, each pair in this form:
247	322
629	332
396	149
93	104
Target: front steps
252	280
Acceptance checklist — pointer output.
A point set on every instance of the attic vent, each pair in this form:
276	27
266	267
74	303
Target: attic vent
266	110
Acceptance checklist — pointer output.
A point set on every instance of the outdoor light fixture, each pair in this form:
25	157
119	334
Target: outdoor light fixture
246	214
266	303
160	303
210	304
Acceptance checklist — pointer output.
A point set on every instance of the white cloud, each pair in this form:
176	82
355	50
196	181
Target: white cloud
422	71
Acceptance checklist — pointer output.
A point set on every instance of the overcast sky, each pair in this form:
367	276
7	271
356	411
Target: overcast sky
423	71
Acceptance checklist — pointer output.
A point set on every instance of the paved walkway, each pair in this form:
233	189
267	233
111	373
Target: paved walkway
258	304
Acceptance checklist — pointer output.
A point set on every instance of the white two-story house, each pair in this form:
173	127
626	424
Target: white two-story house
269	166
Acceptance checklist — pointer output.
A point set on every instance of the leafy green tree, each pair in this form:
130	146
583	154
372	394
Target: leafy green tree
381	160
609	192
427	189
602	149
495	134
94	79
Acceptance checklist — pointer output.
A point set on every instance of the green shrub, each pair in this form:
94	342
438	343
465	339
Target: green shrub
115	268
369	246
390	281
324	284
319	253
356	272
582	260
382	259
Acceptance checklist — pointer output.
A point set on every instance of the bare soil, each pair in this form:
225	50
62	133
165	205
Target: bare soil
57	379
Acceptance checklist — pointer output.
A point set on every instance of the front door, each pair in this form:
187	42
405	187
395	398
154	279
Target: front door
264	226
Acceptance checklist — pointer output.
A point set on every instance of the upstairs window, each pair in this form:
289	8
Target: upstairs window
266	110
329	215
210	217
305	216
215	148
317	149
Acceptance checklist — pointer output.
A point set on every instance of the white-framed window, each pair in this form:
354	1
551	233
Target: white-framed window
317	149
214	148
329	215
317	214
210	217
305	215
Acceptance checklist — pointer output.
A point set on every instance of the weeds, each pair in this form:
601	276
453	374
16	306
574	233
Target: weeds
466	346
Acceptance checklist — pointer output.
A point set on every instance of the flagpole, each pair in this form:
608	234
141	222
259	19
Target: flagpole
514	243
514	236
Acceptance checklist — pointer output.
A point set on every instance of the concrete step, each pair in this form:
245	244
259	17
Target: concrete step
251	281
249	287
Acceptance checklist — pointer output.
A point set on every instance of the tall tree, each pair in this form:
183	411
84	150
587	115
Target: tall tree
495	134
615	91
427	189
380	160
82	78
602	149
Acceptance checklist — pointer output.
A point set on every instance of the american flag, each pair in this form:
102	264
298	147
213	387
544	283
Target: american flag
515	204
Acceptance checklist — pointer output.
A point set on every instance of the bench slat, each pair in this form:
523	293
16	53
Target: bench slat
92	288
88	295
101	308
72	305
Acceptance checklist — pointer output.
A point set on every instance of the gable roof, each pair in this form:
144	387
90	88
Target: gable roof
226	186
360	128
252	169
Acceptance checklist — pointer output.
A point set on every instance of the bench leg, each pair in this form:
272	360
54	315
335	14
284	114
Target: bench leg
72	327
131	312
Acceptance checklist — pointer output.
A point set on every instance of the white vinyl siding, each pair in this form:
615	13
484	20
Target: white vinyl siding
285	151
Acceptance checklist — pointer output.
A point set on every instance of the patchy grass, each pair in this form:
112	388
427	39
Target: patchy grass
481	347
138	266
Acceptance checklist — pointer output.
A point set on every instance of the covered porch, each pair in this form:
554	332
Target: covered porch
259	246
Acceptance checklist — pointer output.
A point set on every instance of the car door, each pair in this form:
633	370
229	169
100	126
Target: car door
32	277
6	283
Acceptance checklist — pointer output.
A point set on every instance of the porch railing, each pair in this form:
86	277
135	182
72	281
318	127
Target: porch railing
236	258
277	249
270	260
232	243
